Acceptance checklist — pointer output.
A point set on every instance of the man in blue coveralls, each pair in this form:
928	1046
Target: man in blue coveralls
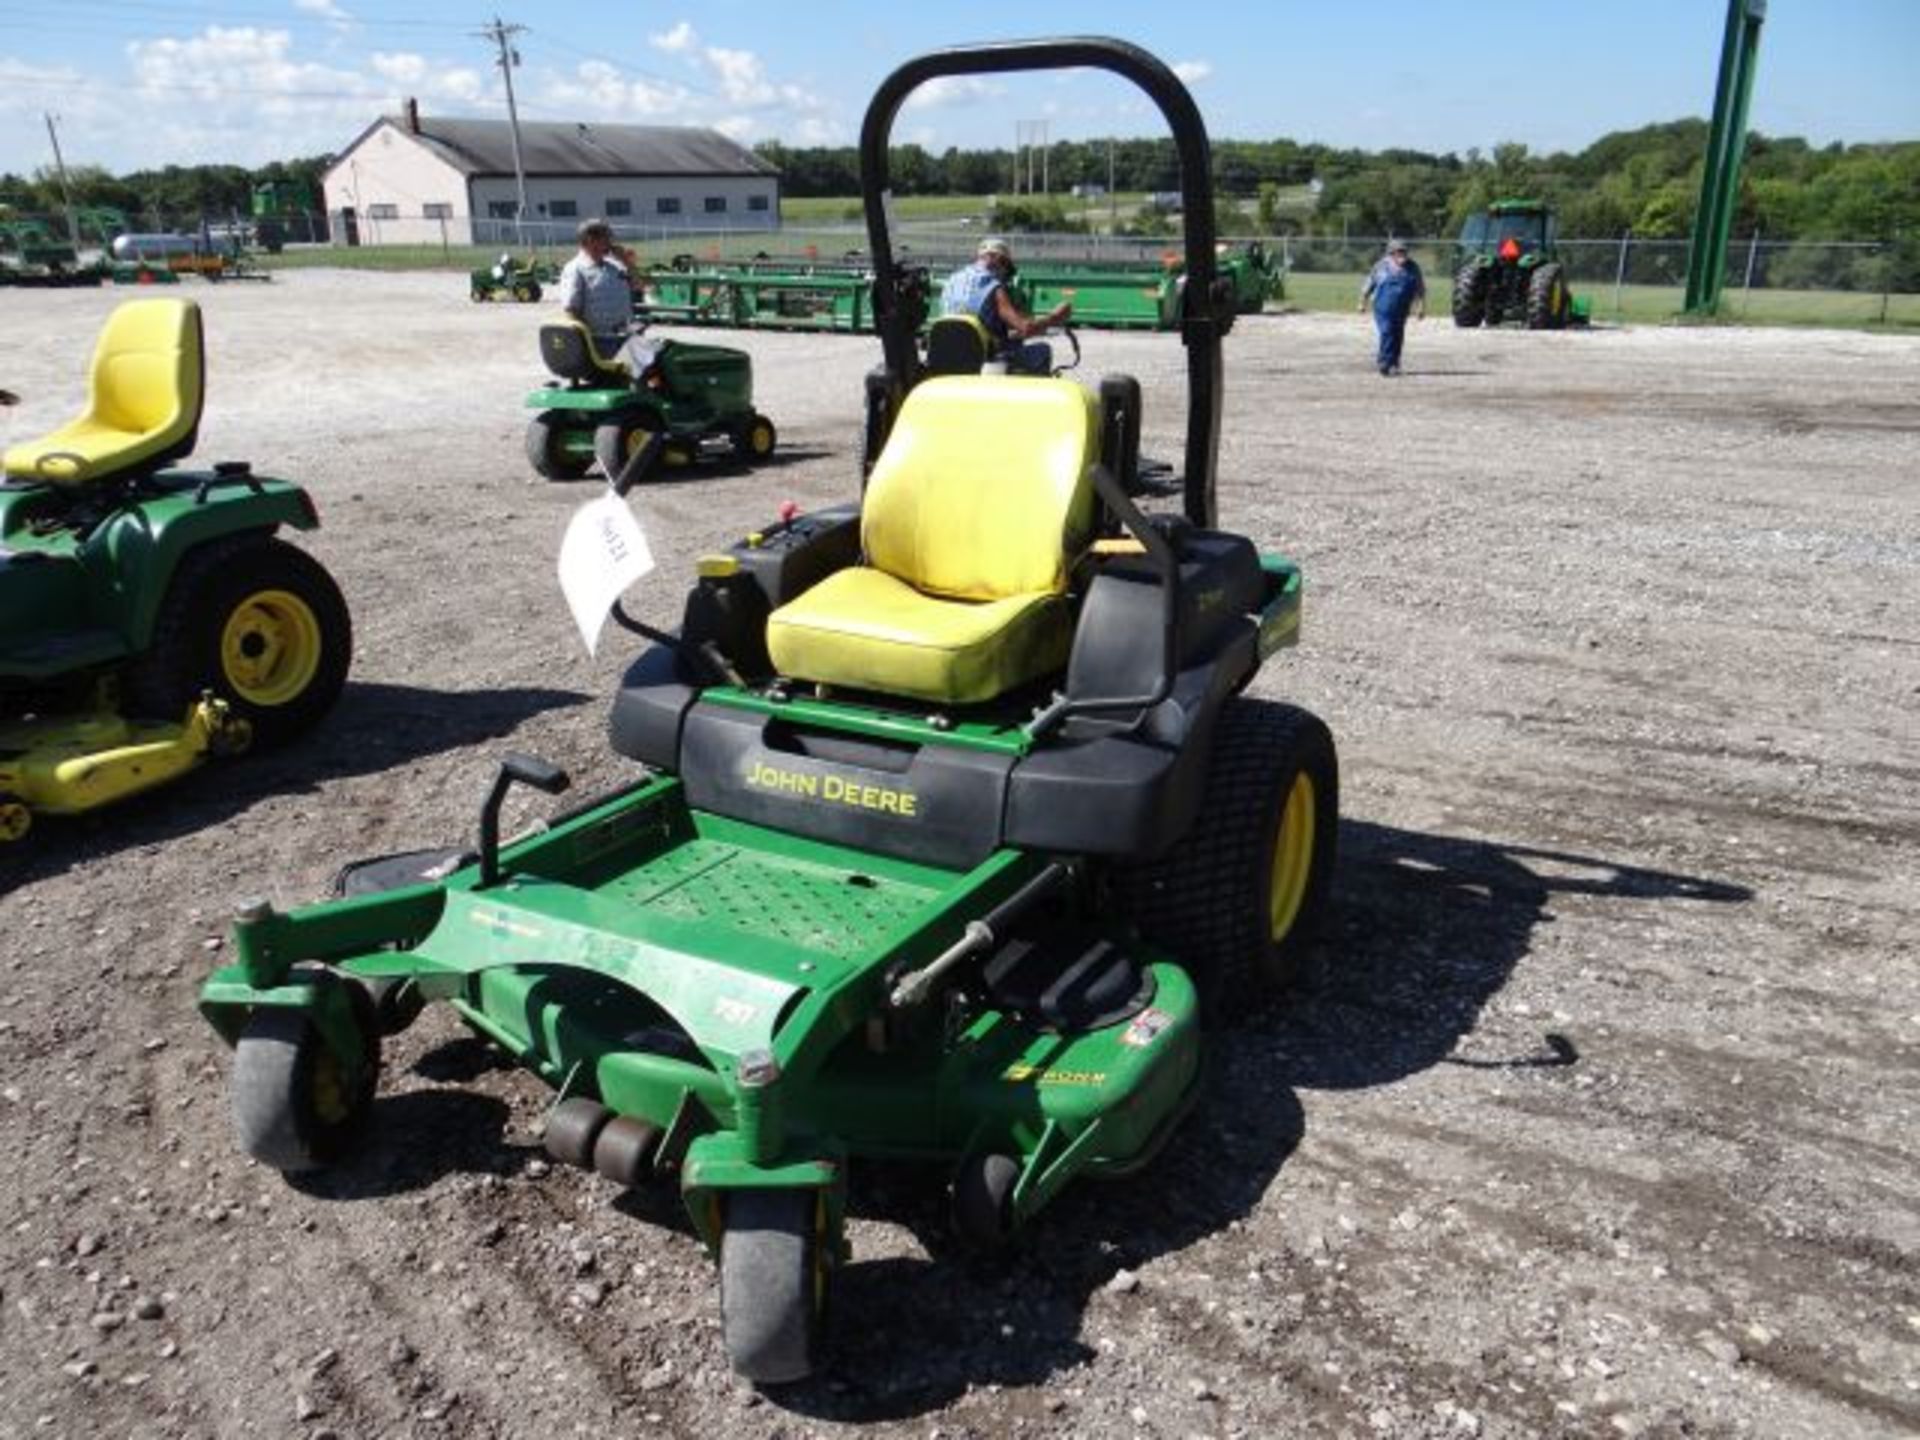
980	290
1396	288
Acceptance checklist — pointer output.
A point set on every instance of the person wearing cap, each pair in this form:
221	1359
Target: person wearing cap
1397	288
980	290
596	287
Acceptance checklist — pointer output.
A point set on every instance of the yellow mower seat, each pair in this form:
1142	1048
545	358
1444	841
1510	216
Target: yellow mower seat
144	395
974	515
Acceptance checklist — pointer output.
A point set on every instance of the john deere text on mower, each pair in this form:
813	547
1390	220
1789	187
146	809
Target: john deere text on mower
148	616
693	396
1510	268
955	817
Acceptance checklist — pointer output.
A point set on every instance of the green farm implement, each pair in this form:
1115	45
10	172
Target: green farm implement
149	620
764	295
954	819
1511	269
695	398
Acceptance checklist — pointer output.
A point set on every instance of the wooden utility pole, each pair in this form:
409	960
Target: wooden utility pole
500	33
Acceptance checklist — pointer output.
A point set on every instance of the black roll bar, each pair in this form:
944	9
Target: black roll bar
1205	314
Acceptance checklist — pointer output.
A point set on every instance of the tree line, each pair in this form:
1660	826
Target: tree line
1644	181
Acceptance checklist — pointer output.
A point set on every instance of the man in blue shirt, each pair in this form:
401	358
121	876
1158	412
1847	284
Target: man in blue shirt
1397	289
980	290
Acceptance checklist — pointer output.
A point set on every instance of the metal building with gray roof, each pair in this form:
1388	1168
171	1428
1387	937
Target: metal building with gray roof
408	179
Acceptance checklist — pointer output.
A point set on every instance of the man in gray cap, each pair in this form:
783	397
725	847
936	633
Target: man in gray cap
980	290
1397	288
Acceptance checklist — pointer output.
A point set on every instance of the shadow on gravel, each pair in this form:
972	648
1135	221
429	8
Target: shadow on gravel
417	1139
373	728
1425	930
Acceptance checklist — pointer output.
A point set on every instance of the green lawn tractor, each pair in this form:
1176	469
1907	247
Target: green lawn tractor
952	819
510	279
1511	270
149	619
696	398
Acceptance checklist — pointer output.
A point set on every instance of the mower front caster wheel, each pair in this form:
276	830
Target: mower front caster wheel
297	1105
775	1255
983	1201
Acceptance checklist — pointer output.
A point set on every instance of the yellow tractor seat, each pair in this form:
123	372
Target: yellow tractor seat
974	515
570	353
957	345
144	395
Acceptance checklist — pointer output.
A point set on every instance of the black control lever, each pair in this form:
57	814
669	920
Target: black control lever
515	768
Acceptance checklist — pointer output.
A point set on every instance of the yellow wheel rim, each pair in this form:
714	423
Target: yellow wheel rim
15	820
634	442
270	649
676	456
760	440
1292	856
329	1093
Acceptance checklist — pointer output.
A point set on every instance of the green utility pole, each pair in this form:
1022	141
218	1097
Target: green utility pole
1720	177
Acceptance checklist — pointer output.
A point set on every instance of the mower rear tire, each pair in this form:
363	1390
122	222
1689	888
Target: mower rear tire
295	1106
755	439
1547	302
396	1001
544	452
1470	295
1239	896
774	1257
618	441
259	623
527	291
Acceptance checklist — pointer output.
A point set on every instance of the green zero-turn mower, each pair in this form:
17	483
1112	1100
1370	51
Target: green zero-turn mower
695	397
149	618
954	819
510	279
1511	269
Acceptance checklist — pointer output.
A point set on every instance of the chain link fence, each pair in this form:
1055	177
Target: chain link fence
1627	278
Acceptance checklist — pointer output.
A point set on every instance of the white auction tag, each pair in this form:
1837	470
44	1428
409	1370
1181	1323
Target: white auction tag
602	553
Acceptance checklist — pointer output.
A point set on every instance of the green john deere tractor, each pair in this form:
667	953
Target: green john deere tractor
953	816
510	279
1511	270
695	398
149	619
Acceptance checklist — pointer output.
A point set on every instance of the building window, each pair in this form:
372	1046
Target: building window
716	204
562	209
758	202
500	209
618	207
383	212
439	210
668	205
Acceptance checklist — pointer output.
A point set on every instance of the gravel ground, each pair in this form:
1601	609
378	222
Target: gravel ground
1598	1116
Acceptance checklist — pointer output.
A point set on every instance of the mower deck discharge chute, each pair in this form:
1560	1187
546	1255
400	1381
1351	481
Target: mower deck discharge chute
692	397
955	821
148	618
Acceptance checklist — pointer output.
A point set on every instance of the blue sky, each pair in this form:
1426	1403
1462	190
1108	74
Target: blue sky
137	83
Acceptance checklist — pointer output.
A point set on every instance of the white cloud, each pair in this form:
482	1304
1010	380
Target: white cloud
946	90
680	37
599	89
327	11
1193	71
424	79
402	69
743	79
